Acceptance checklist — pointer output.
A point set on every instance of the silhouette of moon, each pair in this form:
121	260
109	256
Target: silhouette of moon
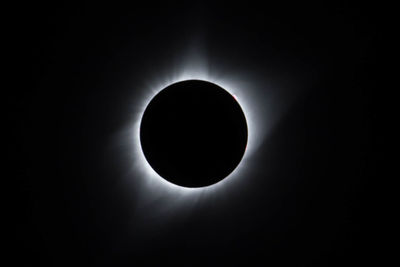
193	133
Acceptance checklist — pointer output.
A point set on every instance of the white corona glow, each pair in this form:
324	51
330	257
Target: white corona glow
155	181
253	96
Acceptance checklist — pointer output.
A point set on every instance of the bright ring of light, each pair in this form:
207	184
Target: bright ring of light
244	91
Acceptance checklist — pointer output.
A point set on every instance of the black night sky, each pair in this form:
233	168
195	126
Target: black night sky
303	198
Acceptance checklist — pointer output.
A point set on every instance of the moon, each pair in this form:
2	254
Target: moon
193	133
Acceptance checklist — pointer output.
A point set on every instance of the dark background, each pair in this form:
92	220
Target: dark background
309	203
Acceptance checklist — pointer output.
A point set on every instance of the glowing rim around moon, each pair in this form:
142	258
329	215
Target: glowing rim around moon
153	179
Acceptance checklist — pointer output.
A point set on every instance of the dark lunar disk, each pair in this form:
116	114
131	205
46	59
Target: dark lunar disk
193	133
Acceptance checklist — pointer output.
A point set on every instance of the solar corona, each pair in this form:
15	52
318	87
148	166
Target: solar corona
161	164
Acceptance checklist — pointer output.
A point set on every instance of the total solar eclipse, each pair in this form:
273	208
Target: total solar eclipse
193	133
